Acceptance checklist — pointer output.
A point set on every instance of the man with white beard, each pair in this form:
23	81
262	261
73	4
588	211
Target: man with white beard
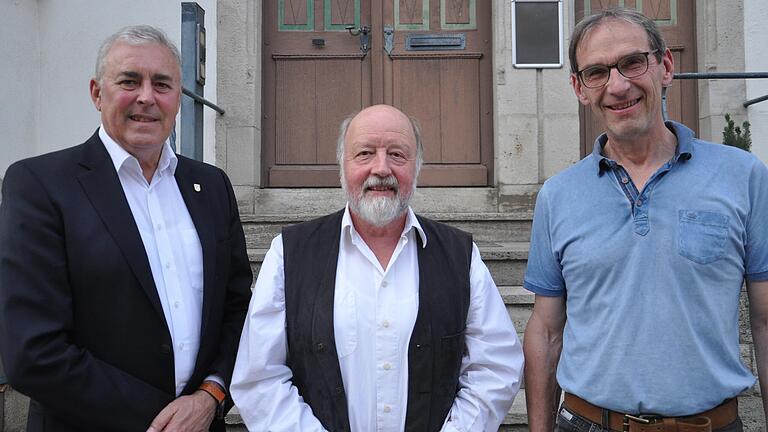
373	318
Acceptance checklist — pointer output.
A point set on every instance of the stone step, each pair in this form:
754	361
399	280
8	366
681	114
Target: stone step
519	303
485	227
516	296
505	260
426	200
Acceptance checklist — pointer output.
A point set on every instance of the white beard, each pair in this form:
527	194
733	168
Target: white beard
382	210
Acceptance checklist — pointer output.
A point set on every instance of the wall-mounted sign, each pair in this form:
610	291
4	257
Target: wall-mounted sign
537	33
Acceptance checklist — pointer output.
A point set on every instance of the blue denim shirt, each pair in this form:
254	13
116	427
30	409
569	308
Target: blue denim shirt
652	277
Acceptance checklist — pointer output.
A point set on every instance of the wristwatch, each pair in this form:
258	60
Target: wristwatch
214	389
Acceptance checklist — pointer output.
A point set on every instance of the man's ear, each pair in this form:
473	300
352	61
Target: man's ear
668	62
95	93
579	90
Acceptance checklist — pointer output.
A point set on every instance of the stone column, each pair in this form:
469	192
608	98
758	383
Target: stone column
535	116
238	132
720	48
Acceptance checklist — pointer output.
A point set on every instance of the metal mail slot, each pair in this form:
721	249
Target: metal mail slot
435	42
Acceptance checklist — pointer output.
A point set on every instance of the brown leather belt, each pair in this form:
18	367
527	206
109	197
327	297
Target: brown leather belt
716	418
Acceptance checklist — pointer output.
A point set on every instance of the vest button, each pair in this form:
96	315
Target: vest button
338	390
320	347
165	348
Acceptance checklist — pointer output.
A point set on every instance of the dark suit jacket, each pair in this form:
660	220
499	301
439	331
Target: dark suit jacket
82	331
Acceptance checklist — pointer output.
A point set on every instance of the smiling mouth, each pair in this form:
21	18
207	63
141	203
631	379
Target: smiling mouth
380	185
142	118
380	189
624	105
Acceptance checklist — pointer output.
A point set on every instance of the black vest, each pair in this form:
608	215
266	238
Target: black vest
310	253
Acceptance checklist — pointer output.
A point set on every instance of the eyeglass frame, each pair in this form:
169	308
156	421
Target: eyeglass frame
616	66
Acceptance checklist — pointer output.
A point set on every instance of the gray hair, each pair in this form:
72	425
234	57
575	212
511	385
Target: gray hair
631	16
345	127
135	35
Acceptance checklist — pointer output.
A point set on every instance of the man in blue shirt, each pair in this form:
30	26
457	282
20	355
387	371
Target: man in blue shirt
638	255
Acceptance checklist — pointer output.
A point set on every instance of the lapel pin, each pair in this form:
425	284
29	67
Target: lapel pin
197	187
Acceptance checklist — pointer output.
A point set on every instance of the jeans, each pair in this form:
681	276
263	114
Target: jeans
567	421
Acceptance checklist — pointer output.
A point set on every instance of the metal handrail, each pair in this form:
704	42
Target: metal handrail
715	75
203	100
755	100
720	75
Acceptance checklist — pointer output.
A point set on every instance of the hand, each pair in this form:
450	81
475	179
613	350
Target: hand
192	413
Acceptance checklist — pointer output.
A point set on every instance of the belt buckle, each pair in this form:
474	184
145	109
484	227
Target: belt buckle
640	418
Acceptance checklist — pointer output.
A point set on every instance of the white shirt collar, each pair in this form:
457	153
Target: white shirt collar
119	155
411	222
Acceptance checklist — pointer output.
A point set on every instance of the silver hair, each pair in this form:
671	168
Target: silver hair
135	35
345	127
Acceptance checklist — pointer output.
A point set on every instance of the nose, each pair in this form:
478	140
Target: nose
380	165
617	83
146	95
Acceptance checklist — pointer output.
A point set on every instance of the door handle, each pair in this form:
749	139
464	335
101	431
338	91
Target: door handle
365	38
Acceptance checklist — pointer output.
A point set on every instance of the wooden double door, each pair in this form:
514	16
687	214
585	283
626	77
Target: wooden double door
676	20
430	58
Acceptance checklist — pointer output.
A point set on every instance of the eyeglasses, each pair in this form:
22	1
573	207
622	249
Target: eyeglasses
631	66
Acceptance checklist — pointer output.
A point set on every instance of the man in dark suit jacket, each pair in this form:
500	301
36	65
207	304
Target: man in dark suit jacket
124	278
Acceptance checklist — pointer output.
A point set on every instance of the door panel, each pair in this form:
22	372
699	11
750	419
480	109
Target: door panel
459	100
342	90
295	81
412	14
315	74
676	20
445	93
305	132
458	13
448	91
420	100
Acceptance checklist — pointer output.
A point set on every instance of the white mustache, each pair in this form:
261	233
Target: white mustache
373	181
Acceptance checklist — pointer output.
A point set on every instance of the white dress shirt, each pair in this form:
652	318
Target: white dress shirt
375	310
172	246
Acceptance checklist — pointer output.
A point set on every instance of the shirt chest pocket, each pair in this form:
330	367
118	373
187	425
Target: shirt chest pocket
702	235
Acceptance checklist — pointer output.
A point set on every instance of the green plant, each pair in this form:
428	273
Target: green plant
737	136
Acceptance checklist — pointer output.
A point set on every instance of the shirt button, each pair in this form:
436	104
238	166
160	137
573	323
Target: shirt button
387	366
387	408
167	265
159	227
639	202
385	324
384	284
624	180
176	305
181	347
